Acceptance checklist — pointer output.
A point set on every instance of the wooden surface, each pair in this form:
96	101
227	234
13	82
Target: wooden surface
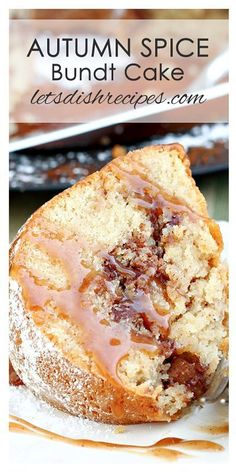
213	186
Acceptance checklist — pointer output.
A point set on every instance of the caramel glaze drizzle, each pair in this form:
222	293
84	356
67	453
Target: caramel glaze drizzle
152	196
107	343
161	448
97	336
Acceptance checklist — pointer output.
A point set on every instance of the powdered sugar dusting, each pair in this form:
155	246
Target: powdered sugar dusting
35	352
51	377
25	405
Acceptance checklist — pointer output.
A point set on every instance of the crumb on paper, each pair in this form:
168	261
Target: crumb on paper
119	429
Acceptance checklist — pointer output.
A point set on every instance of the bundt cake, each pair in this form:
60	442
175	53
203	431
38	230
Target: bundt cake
118	298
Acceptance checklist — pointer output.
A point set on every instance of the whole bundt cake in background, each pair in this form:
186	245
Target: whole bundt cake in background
118	298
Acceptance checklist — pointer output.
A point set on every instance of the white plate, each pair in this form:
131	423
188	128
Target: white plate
30	449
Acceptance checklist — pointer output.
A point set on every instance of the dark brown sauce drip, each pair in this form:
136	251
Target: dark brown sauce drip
13	377
187	370
161	448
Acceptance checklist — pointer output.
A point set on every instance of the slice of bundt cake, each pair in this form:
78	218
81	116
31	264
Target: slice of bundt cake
118	298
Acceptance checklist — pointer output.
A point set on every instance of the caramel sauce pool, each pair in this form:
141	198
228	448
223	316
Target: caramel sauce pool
162	448
216	429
